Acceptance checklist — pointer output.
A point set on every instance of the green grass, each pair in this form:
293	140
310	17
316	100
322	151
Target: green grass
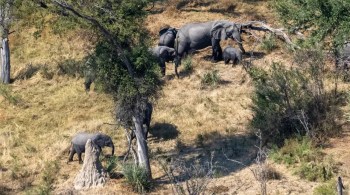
210	79
137	178
269	43
307	160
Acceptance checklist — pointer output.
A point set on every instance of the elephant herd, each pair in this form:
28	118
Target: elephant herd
174	44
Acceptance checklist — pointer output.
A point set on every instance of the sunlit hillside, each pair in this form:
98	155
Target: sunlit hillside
46	105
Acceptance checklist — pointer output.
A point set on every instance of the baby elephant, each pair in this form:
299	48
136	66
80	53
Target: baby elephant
79	141
163	54
233	54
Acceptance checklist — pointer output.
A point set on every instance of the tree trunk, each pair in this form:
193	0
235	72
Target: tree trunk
142	148
5	61
92	174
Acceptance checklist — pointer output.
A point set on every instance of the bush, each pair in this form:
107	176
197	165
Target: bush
137	178
296	151
210	79
314	171
268	43
308	161
326	189
293	101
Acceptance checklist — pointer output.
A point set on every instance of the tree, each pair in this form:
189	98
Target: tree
124	65
326	20
6	7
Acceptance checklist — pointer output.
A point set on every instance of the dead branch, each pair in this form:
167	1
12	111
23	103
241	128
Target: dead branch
261	26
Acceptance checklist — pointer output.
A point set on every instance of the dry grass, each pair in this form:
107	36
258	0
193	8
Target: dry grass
39	129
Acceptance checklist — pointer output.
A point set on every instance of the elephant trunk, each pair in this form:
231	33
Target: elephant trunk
112	146
238	39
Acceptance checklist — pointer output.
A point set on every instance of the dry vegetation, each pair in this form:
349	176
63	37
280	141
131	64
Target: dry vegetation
190	121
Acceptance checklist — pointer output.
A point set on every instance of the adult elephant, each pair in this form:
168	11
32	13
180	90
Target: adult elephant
79	141
167	37
163	54
195	36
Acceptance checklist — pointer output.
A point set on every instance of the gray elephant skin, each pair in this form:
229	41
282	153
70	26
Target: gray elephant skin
163	54
195	36
79	141
233	54
167	37
146	123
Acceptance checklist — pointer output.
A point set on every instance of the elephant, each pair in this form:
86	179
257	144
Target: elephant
167	37
233	54
79	141
195	36
163	54
146	121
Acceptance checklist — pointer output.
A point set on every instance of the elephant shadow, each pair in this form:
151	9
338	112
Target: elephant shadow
164	131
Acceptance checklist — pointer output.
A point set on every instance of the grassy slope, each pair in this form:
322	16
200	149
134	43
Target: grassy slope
38	129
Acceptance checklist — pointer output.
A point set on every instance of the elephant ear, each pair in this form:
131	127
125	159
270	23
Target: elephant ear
218	31
98	139
163	30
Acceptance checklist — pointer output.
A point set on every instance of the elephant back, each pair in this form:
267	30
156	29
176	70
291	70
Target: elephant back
81	138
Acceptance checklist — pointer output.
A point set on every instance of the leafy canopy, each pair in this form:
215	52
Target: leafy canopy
327	20
121	60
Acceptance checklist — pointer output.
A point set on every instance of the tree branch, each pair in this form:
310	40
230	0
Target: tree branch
104	31
261	26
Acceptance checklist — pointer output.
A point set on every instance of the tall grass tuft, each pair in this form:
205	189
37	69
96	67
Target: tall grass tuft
136	177
210	79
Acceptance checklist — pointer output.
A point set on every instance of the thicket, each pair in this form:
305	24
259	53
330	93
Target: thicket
325	20
294	101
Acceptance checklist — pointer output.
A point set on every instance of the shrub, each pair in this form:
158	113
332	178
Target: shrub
210	79
314	171
295	151
308	161
110	163
290	101
326	189
268	43
136	177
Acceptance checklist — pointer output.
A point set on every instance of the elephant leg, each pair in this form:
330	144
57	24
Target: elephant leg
227	60
219	54
215	44
177	64
80	159
71	154
162	66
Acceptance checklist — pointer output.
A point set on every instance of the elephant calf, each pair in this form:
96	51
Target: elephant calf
79	141
233	54
146	123
163	54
